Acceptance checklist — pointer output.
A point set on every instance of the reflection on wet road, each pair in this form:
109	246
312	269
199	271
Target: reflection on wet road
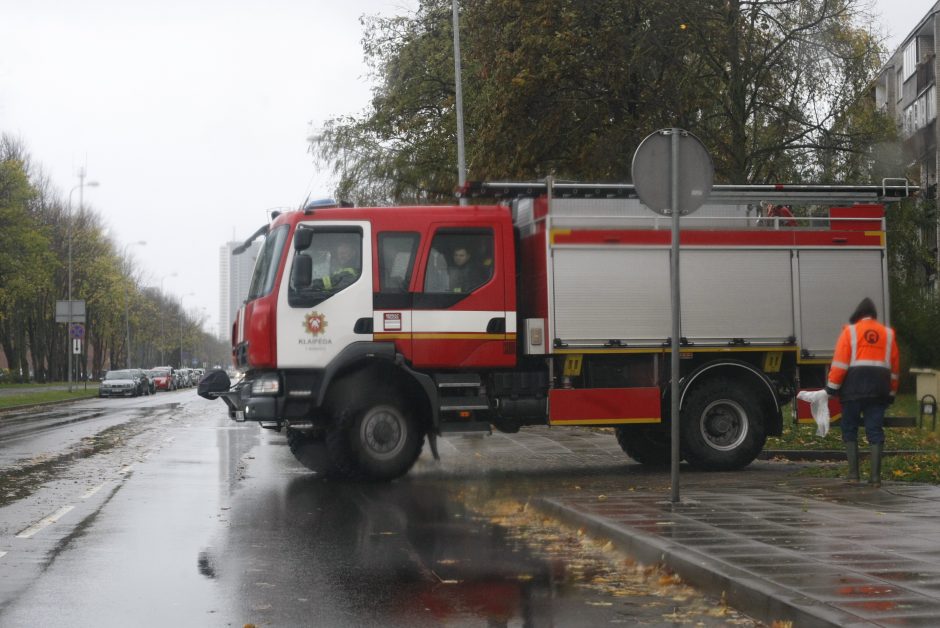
199	521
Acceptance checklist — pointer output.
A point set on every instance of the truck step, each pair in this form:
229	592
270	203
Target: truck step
457	380
466	426
456	404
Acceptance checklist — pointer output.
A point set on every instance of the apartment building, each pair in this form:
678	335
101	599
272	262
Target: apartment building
906	89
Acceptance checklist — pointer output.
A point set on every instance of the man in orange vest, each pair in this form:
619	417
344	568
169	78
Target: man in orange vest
864	374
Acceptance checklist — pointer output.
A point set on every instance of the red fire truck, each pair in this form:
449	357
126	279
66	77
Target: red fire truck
367	330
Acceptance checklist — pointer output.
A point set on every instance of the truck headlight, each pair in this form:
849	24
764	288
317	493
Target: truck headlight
266	385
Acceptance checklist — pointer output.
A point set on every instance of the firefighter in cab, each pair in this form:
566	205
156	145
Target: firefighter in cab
344	267
864	375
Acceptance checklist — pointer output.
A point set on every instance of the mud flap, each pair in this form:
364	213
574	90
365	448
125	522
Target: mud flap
432	443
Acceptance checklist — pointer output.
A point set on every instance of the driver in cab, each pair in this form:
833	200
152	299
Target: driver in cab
344	268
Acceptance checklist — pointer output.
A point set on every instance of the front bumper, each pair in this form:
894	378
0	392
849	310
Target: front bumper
296	399
117	392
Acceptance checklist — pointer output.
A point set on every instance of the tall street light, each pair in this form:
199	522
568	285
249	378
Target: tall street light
162	333
81	207
127	309
183	296
458	92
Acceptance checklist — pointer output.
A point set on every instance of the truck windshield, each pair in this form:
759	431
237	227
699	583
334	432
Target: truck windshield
262	280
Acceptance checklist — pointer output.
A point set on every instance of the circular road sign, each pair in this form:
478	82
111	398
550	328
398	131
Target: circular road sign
77	330
652	165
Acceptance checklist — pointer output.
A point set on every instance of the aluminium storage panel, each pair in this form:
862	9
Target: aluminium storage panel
831	285
597	213
624	294
611	294
736	293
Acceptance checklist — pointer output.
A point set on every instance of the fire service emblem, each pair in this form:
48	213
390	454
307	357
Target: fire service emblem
315	323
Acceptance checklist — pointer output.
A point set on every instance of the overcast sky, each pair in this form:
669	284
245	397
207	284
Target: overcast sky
193	114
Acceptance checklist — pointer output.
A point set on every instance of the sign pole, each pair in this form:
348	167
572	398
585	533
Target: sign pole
659	161
676	313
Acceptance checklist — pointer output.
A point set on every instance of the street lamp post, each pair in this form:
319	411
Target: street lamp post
81	206
127	309
458	92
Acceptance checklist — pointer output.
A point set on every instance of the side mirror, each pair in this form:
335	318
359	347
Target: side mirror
302	239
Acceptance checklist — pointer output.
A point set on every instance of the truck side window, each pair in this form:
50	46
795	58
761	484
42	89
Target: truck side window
396	260
326	261
460	261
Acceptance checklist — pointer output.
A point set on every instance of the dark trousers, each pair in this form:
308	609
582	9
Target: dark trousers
873	415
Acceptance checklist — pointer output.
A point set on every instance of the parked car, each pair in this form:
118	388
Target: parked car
124	383
151	385
186	377
163	378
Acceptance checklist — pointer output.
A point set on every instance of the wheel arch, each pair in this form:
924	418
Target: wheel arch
367	363
742	372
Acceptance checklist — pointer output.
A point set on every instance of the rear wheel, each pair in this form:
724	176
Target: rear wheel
646	444
722	425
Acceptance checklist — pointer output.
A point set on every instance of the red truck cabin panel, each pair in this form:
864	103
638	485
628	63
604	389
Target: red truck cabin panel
604	406
447	319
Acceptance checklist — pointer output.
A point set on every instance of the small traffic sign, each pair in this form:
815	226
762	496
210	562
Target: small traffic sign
77	330
653	175
77	346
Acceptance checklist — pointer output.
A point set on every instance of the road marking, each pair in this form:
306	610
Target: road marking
2	554
169	439
94	490
48	521
126	469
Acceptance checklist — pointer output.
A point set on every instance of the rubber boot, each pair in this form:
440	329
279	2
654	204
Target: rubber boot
851	454
874	479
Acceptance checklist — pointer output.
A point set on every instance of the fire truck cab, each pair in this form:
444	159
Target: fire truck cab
367	330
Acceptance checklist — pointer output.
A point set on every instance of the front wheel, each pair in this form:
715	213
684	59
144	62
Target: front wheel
385	439
722	425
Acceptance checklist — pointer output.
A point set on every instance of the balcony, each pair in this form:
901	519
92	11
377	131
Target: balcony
920	113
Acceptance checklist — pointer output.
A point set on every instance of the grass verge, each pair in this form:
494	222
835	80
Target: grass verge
921	466
31	394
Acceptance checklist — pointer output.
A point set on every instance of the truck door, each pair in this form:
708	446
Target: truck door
397	257
326	303
460	317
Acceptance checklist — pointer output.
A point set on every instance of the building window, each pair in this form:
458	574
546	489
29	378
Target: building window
910	59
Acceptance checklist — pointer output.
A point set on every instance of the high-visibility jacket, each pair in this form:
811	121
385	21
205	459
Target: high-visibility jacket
336	279
866	363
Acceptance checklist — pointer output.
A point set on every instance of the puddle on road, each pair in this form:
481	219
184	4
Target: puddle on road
595	565
20	480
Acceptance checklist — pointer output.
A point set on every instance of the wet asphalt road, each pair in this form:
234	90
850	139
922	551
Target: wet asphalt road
160	511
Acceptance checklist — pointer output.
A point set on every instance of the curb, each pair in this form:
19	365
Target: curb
821	455
744	591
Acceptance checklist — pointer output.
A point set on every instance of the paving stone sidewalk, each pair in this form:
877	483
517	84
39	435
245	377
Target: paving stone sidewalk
818	552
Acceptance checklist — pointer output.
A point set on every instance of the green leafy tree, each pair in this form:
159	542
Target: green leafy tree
570	88
24	260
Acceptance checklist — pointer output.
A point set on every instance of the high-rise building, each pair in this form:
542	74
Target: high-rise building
234	281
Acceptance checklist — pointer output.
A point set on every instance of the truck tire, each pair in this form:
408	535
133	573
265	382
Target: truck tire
384	438
646	444
722	425
311	450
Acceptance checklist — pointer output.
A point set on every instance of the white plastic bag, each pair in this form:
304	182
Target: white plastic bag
819	405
